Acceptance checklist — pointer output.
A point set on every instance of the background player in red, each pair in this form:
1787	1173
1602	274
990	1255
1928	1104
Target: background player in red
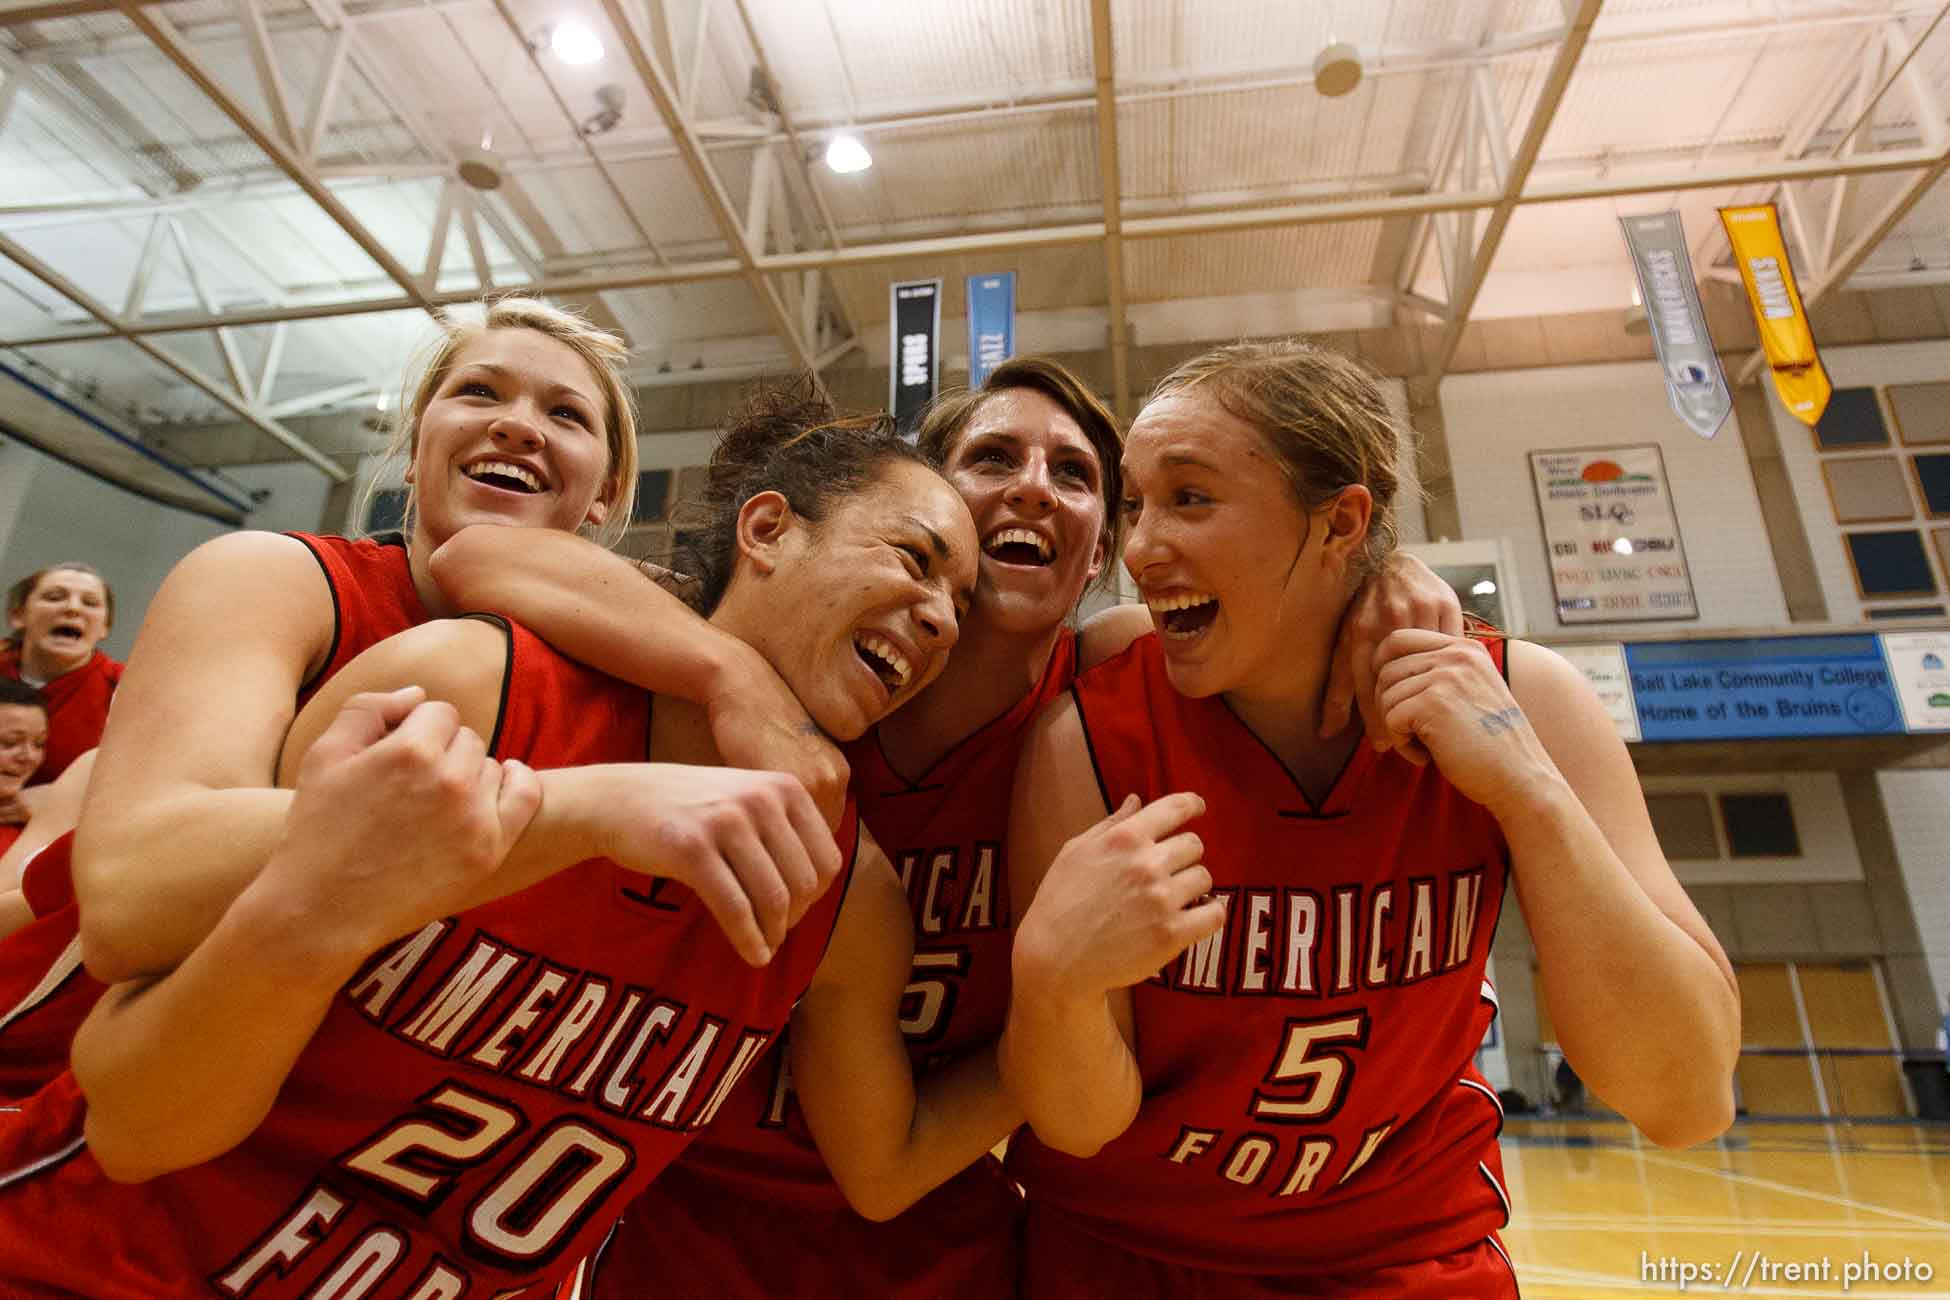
23	739
328	1061
58	616
1256	1003
1034	455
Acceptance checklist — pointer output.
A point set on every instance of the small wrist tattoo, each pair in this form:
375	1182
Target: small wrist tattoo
1502	719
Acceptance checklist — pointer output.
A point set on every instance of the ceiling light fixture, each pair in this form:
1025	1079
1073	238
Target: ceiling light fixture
1337	70
1486	587
574	44
845	155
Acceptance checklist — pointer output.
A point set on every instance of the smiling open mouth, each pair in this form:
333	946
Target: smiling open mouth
1019	546
1184	617
68	633
887	662
500	474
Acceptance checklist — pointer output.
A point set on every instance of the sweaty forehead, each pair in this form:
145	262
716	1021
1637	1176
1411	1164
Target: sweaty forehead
533	356
1190	430
68	578
1023	414
22	717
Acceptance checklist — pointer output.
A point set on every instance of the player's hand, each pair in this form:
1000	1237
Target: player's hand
1121	900
759	723
1447	693
1405	594
13	812
751	845
681	585
397	817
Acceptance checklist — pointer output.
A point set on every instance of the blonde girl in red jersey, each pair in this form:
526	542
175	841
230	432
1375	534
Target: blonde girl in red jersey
523	420
1246	1002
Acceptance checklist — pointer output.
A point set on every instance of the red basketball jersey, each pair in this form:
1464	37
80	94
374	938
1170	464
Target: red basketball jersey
8	834
944	832
372	596
1309	1099
77	709
482	1098
44	992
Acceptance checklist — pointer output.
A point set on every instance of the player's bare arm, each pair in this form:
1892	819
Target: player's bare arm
596	606
180	814
390	826
1641	993
1107	902
751	845
888	1138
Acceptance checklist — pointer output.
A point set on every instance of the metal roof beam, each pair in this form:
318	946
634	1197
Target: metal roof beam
1252	217
1835	275
710	188
1462	297
1109	182
235	402
162	33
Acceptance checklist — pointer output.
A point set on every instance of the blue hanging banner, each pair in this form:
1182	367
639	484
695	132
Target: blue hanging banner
991	323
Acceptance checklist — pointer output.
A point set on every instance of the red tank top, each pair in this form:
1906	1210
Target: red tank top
44	992
77	709
481	1100
944	833
1309	1099
372	596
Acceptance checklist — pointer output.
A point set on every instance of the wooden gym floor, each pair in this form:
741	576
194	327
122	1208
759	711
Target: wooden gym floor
1599	1213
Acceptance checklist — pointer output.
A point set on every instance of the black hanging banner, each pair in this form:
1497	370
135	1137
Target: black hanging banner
914	360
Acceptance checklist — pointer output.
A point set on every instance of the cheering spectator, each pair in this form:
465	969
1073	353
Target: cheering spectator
59	616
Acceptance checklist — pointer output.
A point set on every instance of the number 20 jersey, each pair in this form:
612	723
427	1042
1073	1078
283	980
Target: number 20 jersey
1310	1103
482	1099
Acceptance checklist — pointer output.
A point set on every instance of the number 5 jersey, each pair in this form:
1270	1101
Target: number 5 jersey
1310	1103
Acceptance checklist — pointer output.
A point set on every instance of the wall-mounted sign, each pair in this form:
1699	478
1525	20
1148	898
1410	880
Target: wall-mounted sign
1613	542
1763	688
1919	663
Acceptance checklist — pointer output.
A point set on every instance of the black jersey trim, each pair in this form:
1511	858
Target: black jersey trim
846	884
1316	808
1090	748
507	673
338	618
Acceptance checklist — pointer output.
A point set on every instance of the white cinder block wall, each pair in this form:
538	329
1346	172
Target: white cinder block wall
1496	419
1858	367
50	512
1918	804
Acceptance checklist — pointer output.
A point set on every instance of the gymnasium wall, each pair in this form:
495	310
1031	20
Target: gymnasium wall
50	512
1919	817
1859	367
1496	418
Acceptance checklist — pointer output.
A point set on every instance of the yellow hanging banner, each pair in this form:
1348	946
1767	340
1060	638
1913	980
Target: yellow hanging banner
1755	233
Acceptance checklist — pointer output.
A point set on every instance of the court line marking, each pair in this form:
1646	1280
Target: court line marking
1695	1226
1529	1275
1720	1171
